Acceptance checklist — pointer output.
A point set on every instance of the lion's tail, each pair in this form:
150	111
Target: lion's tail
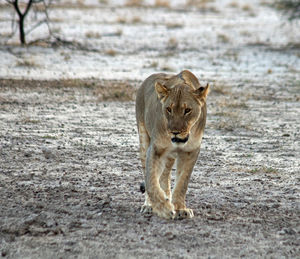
142	187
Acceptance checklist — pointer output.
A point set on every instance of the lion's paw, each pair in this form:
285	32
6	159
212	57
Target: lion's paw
146	209
184	214
166	214
165	210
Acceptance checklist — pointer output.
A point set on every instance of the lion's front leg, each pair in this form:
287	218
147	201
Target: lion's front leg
185	165
165	178
160	202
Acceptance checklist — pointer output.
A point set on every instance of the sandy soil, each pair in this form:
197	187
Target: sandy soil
69	167
70	177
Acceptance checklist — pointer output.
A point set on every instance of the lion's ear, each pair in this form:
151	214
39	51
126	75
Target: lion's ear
202	92
161	90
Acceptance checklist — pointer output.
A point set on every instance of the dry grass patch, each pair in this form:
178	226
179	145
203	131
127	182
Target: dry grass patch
226	124
118	33
121	20
263	170
229	108
247	8
202	4
226	119
172	43
231	120
57	20
231	54
104	90
246	33
223	38
199	2
137	3
111	52
28	120
171	25
27	62
56	30
162	3
134	20
153	64
167	68
92	35
220	89
115	91
231	103
229	114
4	5
233	5
238	104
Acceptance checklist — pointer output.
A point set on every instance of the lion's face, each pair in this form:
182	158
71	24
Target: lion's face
181	107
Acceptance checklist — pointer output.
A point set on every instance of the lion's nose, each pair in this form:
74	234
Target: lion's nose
175	132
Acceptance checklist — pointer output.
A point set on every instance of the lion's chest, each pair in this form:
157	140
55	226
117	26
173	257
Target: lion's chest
193	144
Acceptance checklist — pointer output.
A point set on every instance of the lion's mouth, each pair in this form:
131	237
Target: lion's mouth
179	140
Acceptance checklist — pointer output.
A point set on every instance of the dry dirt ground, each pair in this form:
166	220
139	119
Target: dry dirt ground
70	174
69	167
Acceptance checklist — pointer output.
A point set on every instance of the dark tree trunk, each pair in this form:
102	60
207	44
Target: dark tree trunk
21	29
22	18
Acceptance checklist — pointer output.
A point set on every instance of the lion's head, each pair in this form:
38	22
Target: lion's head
182	107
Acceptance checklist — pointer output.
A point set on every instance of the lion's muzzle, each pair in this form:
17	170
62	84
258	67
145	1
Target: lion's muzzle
180	140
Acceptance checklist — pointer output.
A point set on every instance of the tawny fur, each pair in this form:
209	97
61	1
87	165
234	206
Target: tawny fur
171	116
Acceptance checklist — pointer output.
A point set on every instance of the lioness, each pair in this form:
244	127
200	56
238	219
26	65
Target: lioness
171	116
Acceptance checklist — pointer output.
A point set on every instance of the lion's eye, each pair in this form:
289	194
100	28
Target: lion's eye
169	110
187	111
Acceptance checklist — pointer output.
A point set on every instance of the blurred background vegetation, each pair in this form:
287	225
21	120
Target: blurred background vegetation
291	8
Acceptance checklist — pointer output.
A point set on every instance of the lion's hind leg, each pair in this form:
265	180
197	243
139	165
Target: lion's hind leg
144	144
147	207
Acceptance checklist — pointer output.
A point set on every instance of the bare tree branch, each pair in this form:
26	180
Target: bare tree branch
290	7
16	6
36	25
47	16
27	7
22	15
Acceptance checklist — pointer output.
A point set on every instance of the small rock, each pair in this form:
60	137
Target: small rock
106	201
48	153
51	223
170	235
28	154
287	231
4	252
